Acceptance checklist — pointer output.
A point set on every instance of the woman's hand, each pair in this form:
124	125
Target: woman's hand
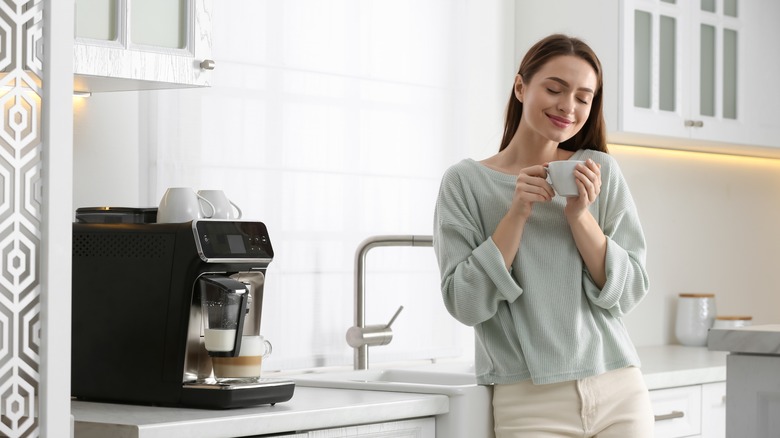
588	179
531	186
588	236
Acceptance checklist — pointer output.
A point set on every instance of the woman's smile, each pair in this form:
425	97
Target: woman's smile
560	122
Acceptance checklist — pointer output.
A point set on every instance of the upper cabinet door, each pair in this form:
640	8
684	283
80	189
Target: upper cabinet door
142	44
653	55
757	82
681	69
716	98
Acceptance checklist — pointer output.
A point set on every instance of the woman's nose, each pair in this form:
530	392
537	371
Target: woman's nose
566	104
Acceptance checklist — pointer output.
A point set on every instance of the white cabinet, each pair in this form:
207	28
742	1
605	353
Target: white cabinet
696	70
690	411
417	428
677	73
680	69
142	44
753	402
761	70
677	411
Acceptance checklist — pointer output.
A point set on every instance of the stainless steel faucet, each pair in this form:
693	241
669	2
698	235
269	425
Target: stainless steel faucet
360	336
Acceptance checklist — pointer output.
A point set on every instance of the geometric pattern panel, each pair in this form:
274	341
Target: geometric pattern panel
21	197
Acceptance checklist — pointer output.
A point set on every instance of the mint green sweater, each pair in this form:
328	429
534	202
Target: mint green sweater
544	319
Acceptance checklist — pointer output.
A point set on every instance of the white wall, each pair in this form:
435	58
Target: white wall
712	226
107	147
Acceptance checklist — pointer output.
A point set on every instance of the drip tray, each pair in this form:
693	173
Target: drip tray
237	393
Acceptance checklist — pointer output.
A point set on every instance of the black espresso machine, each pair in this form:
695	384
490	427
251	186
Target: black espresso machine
138	330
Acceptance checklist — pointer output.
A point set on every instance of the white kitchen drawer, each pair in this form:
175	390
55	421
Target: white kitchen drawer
677	411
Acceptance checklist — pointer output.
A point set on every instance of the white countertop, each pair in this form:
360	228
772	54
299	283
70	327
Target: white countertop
310	408
317	408
669	366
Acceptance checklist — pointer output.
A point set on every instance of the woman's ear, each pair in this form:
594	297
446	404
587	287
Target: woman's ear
519	88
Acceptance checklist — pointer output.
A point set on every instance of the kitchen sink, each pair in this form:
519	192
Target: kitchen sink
398	380
470	414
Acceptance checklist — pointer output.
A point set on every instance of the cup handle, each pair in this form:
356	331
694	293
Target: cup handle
548	177
213	210
240	213
268	348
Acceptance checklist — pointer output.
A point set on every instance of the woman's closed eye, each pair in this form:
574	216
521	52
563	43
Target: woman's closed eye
556	92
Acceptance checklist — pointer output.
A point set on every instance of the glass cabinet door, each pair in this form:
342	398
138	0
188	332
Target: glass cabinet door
655	60
654	97
718	45
98	20
160	23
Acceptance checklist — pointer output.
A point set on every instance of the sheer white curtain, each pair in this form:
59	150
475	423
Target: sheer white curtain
332	121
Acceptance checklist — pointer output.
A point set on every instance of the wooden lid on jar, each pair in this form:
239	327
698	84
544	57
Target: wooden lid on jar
697	295
734	318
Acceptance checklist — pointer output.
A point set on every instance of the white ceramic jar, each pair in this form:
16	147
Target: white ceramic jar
695	316
729	322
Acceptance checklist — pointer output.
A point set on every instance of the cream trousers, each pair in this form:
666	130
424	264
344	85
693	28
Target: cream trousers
615	404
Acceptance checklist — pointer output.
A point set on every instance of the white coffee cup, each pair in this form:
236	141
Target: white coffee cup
182	204
561	177
249	361
224	208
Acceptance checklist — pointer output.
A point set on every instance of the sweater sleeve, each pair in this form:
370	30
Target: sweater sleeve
627	280
474	280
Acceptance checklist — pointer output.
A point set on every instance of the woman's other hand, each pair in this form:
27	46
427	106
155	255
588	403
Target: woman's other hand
588	179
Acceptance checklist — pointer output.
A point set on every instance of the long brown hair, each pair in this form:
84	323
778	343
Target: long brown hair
593	134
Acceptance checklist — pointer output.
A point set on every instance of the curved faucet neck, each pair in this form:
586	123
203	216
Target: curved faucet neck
361	353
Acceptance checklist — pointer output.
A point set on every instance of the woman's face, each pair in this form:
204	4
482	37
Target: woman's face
557	99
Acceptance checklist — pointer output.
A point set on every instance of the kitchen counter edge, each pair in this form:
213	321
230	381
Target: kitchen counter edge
664	366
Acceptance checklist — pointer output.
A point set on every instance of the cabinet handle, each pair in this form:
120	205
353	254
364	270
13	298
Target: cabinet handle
208	64
694	123
688	123
670	416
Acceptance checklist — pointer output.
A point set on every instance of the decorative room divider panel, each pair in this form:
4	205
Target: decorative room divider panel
20	214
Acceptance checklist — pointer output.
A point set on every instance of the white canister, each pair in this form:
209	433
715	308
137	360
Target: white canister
695	316
729	322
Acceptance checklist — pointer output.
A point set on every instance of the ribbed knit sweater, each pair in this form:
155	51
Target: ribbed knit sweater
544	319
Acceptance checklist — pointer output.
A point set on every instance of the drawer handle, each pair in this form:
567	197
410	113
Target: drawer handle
670	416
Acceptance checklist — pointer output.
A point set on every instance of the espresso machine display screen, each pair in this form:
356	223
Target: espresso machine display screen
232	240
236	244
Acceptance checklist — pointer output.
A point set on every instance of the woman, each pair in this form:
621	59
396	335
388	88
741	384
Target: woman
545	280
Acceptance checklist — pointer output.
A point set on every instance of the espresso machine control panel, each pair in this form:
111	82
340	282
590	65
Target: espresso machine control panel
232	241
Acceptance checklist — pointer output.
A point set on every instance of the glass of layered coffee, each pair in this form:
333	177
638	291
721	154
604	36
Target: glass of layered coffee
249	362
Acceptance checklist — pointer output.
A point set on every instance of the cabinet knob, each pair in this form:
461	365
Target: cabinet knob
208	64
